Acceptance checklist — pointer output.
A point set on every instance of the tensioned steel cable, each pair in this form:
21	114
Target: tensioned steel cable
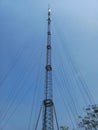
21	79
15	95
67	92
69	77
38	117
76	70
18	56
65	75
36	92
13	90
60	95
17	105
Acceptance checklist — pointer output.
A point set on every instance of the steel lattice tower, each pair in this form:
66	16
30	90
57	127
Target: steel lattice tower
48	101
48	107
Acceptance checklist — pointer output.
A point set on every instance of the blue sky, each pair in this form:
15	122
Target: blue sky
23	38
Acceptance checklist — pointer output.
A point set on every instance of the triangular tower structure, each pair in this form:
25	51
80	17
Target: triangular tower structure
48	101
48	109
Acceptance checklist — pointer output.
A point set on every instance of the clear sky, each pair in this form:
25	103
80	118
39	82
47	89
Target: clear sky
23	38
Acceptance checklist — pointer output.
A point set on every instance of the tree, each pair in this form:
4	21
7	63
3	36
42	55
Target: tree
64	128
90	120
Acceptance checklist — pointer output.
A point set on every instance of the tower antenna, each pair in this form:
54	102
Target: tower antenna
48	101
48	106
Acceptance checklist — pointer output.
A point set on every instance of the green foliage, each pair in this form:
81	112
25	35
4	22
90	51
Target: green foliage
64	128
90	120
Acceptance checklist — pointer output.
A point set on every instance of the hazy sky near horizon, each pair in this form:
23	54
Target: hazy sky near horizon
23	37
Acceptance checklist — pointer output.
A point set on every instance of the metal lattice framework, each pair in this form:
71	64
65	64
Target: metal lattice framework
48	101
49	112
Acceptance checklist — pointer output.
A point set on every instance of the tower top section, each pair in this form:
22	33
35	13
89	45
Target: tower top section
49	11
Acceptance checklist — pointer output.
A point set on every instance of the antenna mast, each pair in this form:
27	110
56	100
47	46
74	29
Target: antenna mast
48	101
